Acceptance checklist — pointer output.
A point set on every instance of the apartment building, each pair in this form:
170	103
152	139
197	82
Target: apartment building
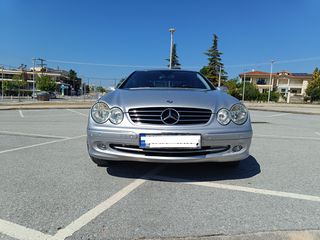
287	83
60	76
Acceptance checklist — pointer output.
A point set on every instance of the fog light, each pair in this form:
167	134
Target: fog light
237	148
102	146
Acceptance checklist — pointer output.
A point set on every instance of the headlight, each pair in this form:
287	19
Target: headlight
223	116
116	115
239	114
100	112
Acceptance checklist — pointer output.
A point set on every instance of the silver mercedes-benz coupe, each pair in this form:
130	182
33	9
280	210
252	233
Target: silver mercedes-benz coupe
169	116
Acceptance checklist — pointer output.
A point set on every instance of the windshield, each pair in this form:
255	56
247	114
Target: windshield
166	79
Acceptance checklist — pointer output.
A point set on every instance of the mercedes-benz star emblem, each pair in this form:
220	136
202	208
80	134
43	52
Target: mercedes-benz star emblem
170	116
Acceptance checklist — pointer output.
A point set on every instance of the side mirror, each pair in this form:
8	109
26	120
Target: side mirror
110	89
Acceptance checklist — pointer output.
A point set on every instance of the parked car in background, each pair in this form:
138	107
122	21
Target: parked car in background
171	116
53	95
43	96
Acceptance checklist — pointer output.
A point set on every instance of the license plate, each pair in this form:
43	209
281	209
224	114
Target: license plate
169	141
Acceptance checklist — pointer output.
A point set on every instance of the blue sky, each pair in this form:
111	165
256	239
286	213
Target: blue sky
136	33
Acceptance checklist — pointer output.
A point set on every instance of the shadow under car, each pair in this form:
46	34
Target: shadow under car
196	172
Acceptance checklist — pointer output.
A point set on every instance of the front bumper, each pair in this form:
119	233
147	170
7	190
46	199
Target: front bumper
112	137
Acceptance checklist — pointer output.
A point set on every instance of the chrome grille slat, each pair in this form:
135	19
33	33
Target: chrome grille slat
152	115
144	115
147	119
193	120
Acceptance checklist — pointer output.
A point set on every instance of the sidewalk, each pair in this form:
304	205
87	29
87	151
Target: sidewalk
47	105
284	107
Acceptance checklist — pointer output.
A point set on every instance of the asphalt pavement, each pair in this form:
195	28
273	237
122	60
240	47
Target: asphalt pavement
50	189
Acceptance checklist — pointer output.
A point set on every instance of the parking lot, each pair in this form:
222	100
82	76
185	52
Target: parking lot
50	189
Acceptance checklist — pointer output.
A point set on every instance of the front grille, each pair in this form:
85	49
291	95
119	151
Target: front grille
163	152
188	116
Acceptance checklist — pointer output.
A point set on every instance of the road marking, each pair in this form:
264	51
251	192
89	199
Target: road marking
21	114
286	137
242	189
31	135
41	144
99	209
79	113
278	115
317	133
20	232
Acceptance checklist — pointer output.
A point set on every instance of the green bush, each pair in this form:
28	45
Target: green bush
45	83
315	94
232	88
251	92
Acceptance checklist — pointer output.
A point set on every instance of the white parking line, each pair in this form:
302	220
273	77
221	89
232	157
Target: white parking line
20	232
30	135
286	137
79	113
278	115
242	189
96	211
41	144
21	114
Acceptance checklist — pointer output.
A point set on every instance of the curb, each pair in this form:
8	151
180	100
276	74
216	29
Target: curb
36	106
44	107
283	111
277	235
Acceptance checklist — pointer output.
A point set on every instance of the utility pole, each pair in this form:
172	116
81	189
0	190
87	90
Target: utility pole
171	30
33	78
84	90
2	83
270	81
42	64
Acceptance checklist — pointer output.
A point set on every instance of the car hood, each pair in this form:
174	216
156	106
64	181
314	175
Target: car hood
136	98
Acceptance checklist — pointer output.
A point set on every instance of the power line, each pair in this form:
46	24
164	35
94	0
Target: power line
299	60
102	78
104	64
186	67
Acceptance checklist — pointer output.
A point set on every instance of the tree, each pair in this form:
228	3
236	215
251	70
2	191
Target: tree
45	83
9	87
315	94
233	88
212	70
18	82
175	58
100	89
73	78
313	85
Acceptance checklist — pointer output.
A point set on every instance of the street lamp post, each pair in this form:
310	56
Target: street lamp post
244	85
2	83
270	81
33	78
171	30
